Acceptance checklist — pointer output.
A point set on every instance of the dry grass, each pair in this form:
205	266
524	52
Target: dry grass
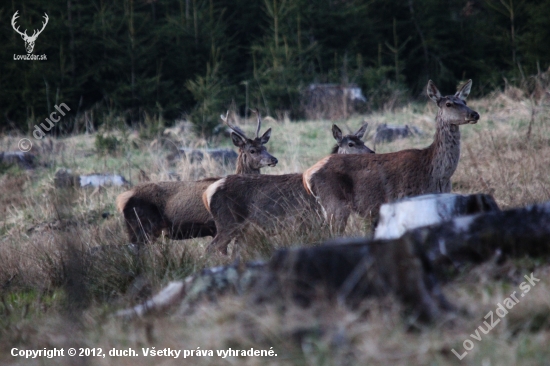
55	294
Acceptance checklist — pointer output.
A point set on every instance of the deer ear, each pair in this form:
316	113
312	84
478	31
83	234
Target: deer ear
433	92
337	133
464	91
237	140
360	132
265	137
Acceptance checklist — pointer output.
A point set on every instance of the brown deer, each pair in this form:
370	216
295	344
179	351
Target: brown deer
350	144
361	183
268	201
176	207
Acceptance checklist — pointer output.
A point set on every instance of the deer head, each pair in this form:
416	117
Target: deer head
352	143
29	40
252	153
452	108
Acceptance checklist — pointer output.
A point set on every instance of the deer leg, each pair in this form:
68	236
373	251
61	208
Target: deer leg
446	186
136	235
220	242
336	215
141	227
340	220
236	252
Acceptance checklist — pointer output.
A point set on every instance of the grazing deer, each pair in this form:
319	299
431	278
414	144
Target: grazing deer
176	207
267	201
361	183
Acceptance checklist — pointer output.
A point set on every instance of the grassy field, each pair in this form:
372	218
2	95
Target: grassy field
53	296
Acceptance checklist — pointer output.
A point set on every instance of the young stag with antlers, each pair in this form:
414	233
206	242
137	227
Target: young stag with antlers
176	207
267	201
361	183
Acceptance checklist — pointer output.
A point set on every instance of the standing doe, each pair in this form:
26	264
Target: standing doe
361	183
176	207
267	201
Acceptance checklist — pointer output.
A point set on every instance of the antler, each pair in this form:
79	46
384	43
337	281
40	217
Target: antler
15	16
259	122
236	129
43	26
34	34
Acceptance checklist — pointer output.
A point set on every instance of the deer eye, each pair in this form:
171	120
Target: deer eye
350	144
449	104
252	151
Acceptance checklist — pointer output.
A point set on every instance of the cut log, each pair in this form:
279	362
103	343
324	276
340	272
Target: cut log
207	284
350	270
167	297
222	156
389	133
101	180
477	238
410	213
65	178
344	273
24	160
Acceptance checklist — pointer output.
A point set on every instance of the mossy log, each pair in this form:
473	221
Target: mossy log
477	238
349	270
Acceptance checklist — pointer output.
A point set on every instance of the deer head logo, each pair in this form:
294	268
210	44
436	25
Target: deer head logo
29	41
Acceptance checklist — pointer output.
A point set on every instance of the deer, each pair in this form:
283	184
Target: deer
342	184
351	143
29	40
238	202
176	208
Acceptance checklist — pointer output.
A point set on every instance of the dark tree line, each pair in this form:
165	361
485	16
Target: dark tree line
140	58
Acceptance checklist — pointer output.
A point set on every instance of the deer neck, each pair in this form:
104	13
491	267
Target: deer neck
243	167
445	152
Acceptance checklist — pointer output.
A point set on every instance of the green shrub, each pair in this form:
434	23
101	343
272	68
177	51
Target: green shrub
152	127
107	145
381	91
208	91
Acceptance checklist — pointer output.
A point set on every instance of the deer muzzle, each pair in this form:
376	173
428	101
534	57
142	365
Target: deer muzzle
473	117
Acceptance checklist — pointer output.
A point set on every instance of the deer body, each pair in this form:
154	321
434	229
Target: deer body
262	200
176	208
267	201
172	207
361	183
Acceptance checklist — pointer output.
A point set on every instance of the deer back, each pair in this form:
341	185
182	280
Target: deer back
259	199
363	182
